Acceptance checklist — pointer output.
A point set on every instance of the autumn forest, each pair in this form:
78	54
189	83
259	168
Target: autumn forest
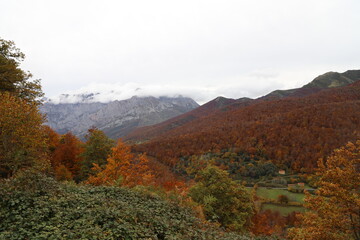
282	166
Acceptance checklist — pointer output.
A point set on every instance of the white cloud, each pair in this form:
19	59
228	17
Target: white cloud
253	85
111	92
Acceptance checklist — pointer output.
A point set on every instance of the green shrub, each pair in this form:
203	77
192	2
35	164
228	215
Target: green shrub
52	210
223	200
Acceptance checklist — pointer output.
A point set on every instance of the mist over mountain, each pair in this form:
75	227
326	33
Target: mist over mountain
105	93
81	110
115	118
201	93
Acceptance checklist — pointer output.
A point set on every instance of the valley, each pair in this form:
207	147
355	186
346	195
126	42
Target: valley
252	139
229	169
180	120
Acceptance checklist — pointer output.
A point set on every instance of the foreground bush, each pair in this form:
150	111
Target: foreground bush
50	210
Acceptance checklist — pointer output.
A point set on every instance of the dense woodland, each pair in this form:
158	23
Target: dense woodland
294	132
188	182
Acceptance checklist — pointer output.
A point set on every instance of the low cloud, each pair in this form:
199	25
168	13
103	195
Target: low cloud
253	84
110	92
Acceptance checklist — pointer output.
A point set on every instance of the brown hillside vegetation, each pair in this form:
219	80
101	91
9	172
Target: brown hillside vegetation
209	108
295	131
221	104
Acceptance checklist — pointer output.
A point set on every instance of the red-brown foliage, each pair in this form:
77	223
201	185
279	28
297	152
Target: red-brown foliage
271	223
295	131
67	153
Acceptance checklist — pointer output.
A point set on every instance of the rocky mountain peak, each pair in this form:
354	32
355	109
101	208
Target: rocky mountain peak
115	118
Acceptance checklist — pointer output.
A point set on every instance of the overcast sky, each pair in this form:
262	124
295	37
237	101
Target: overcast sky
200	49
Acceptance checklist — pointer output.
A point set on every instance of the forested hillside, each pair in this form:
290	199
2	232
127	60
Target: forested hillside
292	131
221	104
209	108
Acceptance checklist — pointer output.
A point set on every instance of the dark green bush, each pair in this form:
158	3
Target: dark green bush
51	210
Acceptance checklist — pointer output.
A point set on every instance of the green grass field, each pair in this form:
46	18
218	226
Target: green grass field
274	193
283	210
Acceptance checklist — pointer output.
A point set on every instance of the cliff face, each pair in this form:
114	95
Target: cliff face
115	118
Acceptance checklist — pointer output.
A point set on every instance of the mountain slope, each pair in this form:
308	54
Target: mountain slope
115	118
334	79
293	131
147	132
320	83
324	81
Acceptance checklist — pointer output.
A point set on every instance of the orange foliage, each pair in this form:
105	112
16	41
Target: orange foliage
62	173
22	140
53	140
67	153
334	210
271	223
165	178
294	131
123	168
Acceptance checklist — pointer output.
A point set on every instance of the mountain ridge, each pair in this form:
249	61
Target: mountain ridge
318	84
293	132
323	81
115	118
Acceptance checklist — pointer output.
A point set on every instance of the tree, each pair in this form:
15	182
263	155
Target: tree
12	78
53	141
223	200
68	154
62	173
283	199
268	223
22	139
123	168
334	211
97	149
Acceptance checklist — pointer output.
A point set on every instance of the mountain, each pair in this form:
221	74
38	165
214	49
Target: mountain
320	83
334	79
147	132
324	81
115	118
293	131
